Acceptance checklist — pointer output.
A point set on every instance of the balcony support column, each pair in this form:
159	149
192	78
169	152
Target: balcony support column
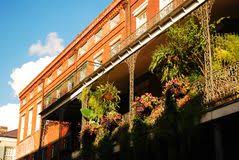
203	14
131	61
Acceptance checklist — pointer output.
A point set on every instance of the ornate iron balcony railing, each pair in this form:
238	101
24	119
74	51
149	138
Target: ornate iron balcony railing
151	24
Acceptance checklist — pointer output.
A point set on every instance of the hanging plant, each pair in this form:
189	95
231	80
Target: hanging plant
88	135
179	89
143	105
111	120
108	92
183	53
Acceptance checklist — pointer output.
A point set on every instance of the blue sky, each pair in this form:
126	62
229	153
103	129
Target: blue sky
26	28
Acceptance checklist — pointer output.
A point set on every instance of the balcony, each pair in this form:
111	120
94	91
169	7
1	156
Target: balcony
160	19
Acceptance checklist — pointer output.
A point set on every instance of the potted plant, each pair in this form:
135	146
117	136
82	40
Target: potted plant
144	105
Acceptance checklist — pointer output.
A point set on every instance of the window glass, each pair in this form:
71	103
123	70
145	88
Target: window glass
97	61
29	126
165	6
24	101
22	128
71	60
82	50
59	71
49	79
114	49
98	35
83	72
38	119
39	88
141	20
114	21
69	85
31	94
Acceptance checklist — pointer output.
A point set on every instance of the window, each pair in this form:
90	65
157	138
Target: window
165	6
31	94
29	126
98	35
69	85
24	101
98	60
47	102
22	127
114	21
71	60
39	88
83	72
49	79
83	49
59	71
141	20
9	153
58	93
38	119
115	47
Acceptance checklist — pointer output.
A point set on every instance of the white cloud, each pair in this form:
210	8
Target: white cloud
52	46
9	116
22	76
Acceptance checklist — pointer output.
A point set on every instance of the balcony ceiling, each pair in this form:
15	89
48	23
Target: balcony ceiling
225	8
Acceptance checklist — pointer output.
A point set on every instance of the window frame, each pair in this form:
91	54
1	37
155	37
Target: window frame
29	123
114	21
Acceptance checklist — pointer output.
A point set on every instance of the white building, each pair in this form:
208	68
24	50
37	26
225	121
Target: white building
8	142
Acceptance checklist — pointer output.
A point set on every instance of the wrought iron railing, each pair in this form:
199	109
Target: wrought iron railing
225	86
75	77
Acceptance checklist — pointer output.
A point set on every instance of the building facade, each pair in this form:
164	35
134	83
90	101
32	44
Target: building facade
8	143
116	47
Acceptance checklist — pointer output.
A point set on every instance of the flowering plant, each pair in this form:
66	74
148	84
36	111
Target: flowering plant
143	105
155	114
179	90
90	128
111	120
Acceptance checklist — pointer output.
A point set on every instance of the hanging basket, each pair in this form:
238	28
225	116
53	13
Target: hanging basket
108	96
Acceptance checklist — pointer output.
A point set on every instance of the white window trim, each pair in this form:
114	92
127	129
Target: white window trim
96	38
38	117
140	8
22	126
115	40
29	131
71	60
59	71
112	21
39	88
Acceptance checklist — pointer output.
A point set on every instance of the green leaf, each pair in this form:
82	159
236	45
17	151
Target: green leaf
88	113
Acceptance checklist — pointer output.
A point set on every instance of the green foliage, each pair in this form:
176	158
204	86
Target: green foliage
226	50
108	96
84	94
96	106
88	113
182	55
103	100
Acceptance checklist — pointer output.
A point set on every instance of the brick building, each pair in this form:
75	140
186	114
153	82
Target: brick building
116	47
